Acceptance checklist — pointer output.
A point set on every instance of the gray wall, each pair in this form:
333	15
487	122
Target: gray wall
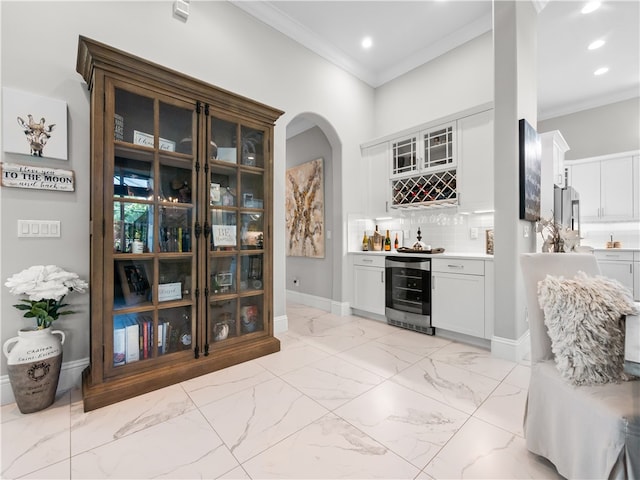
598	131
314	274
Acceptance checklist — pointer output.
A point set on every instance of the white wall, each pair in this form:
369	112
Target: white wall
460	79
219	44
599	131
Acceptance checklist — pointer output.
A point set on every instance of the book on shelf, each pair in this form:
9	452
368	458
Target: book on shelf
132	340
119	341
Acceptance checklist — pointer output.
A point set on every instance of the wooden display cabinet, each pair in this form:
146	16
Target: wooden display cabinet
181	215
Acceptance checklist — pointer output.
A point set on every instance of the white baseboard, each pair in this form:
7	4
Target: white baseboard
309	300
514	350
337	308
70	377
280	324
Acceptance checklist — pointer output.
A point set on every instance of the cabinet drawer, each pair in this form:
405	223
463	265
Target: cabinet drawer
614	255
369	260
458	265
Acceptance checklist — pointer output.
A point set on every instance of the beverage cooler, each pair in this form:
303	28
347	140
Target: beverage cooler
408	293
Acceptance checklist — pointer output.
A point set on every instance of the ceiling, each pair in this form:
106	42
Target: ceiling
407	34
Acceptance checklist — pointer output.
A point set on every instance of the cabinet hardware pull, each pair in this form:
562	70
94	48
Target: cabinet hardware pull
368	260
455	266
382	277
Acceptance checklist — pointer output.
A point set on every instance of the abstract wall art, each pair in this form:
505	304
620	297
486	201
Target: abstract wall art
305	210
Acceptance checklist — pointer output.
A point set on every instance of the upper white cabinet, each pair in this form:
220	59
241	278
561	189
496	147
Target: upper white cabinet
376	189
423	168
475	162
431	165
608	188
426	150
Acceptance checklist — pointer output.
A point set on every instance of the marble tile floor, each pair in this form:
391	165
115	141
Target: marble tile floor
346	398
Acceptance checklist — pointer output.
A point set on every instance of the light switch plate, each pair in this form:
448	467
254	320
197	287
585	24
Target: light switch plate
39	228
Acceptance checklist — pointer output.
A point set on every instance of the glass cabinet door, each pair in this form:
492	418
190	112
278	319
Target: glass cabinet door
236	214
153	204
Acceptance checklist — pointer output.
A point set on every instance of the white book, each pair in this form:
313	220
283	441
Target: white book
133	340
160	338
119	342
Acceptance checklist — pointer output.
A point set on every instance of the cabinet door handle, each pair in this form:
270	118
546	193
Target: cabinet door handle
382	277
433	283
367	260
455	266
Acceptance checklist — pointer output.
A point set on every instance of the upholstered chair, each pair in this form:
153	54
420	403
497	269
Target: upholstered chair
585	431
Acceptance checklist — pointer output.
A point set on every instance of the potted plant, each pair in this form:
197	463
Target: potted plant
34	357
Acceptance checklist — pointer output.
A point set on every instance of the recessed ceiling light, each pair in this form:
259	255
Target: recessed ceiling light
596	44
601	71
590	7
367	42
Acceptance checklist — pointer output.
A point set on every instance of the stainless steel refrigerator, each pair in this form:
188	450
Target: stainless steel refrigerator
566	207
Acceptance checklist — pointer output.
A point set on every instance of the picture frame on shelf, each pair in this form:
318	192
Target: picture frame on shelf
134	282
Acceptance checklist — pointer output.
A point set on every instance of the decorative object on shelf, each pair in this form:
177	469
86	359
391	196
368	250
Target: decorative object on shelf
38	178
530	164
305	210
557	239
220	331
34	357
118	127
249	318
41	126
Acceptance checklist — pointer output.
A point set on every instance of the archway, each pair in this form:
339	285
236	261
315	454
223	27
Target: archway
317	282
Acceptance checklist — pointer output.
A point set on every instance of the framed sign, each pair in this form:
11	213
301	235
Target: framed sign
39	178
146	139
224	235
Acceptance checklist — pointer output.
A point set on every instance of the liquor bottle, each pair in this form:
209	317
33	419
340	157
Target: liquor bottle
365	243
387	243
395	242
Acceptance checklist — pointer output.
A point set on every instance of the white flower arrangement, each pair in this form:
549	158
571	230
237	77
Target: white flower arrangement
46	287
556	237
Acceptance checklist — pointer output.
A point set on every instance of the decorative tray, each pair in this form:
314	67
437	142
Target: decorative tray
413	250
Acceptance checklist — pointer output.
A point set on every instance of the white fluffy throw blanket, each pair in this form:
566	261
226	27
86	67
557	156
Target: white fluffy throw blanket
583	316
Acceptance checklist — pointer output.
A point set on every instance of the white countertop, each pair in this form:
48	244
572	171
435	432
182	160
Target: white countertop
617	249
392	253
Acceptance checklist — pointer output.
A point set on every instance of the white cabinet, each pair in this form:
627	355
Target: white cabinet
618	265
429	149
458	296
423	168
376	163
606	188
368	283
475	162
